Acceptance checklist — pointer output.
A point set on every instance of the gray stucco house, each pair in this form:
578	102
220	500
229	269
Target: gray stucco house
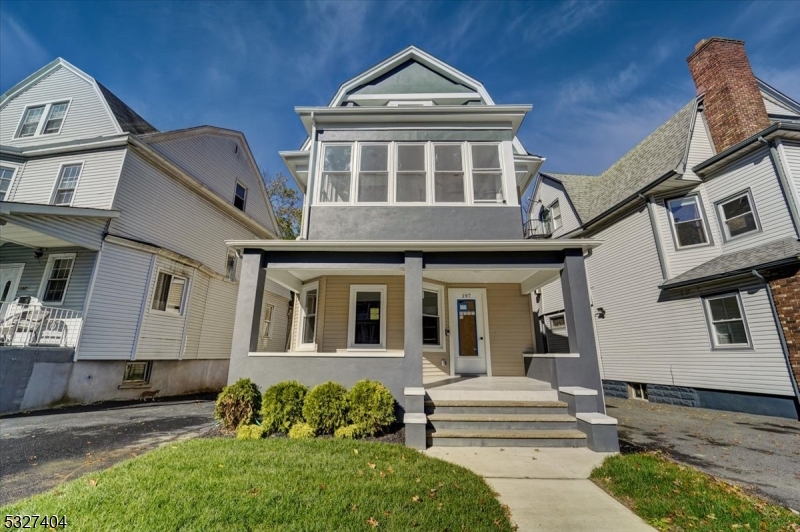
697	283
412	268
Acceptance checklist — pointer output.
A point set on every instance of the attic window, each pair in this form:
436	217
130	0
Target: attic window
240	197
42	119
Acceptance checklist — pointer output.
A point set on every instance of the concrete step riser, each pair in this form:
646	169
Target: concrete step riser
528	410
504	425
506	442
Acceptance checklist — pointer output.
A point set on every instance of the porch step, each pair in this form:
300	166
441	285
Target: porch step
506	438
482	422
493	407
443	394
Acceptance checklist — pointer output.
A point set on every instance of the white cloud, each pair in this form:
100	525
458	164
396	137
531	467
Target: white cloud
567	17
20	52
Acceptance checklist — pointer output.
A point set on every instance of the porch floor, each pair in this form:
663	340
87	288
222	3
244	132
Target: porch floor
489	389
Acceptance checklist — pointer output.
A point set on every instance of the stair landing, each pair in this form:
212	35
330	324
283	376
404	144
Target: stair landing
490	389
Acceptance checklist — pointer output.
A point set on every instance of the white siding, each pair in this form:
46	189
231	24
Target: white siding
216	336
161	335
700	148
198	298
757	173
84	232
791	154
280	322
159	210
645	339
219	161
776	109
36	181
87	115
111	324
548	192
552	298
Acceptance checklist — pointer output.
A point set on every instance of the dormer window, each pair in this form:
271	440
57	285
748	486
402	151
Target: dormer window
240	197
43	119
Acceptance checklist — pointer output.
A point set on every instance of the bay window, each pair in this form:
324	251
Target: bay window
487	176
412	173
336	174
448	176
373	174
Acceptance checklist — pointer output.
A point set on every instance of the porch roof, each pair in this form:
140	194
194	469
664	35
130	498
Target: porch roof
53	226
555	244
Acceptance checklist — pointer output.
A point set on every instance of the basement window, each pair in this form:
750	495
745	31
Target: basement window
637	390
558	322
137	373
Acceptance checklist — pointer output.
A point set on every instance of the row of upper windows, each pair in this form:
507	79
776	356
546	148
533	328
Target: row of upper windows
412	173
64	192
42	119
736	213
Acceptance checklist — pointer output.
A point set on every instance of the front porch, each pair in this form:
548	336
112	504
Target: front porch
433	321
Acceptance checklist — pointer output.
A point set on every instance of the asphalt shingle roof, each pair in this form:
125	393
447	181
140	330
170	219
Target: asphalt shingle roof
660	152
128	119
739	262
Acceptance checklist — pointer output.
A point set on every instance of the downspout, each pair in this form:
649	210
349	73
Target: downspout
310	185
781	337
784	181
656	236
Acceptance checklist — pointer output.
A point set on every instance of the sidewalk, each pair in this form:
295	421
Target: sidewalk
547	489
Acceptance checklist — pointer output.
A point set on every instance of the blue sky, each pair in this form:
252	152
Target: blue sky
600	75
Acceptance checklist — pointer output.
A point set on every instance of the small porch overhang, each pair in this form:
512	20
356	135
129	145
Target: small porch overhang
51	226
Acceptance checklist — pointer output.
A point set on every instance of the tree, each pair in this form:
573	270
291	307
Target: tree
286	203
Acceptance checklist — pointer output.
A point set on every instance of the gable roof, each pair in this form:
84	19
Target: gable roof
660	154
125	119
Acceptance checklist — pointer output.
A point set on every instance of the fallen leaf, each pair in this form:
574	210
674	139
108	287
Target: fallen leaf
354	507
383	475
355	451
92	482
372	522
322	486
387	513
418	480
390	470
254	491
415	498
371	466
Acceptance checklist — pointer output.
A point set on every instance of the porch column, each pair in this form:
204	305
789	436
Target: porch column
248	311
412	340
580	327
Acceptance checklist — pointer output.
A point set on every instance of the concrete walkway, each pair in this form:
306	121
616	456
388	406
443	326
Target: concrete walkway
547	489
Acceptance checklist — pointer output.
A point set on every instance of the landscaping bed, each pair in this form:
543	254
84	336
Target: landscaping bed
673	497
275	484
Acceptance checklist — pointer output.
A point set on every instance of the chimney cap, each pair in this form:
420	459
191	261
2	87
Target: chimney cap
702	43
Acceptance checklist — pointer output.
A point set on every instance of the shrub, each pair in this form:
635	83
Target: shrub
350	432
302	431
282	406
371	406
238	404
325	407
250	432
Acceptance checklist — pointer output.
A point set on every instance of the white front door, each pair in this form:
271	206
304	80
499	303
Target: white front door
469	340
10	275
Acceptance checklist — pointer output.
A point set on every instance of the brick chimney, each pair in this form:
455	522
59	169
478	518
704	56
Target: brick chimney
733	106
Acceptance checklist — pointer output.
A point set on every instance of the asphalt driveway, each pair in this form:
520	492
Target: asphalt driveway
759	453
40	450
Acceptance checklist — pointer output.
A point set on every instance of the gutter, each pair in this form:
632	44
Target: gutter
304	226
781	337
741	271
786	186
699	168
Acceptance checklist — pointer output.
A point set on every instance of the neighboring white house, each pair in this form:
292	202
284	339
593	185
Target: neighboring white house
114	274
696	285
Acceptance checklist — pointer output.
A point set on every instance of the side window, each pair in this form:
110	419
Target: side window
56	278
448	177
367	324
487	175
268	310
240	196
336	174
43	119
432	305
373	173
6	176
726	321
411	174
30	121
688	223
67	182
169	292
737	215
308	316
555	213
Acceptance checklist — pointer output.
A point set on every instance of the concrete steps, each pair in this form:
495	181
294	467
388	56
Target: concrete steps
495	407
502	421
506	438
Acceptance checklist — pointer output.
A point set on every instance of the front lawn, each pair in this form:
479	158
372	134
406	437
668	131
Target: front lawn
275	484
673	497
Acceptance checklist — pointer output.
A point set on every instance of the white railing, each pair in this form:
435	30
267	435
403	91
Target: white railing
31	324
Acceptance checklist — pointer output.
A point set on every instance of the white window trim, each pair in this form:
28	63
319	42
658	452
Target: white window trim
14	171
267	335
351	321
356	175
184	298
430	171
40	126
48	270
552	327
701	209
394	171
499	147
244	205
58	182
147	372
560	224
723	222
441	348
300	346
710	323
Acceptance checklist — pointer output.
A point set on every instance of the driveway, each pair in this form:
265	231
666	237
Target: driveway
40	450
756	452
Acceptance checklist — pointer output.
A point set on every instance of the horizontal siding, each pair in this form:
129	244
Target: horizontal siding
36	182
549	191
643	339
86	232
216	336
791	153
113	319
198	299
510	328
219	161
159	210
280	322
33	272
86	117
161	336
775	109
700	148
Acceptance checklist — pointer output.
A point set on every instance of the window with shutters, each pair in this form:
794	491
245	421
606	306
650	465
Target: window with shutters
169	293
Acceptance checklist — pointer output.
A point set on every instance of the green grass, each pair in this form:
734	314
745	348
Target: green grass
673	497
275	484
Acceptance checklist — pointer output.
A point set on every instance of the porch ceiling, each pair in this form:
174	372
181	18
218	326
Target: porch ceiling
30	238
479	276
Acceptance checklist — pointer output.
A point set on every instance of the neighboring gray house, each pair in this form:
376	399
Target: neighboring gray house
695	289
412	268
114	274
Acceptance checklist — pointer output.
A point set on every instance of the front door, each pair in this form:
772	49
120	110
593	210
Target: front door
10	275
468	339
